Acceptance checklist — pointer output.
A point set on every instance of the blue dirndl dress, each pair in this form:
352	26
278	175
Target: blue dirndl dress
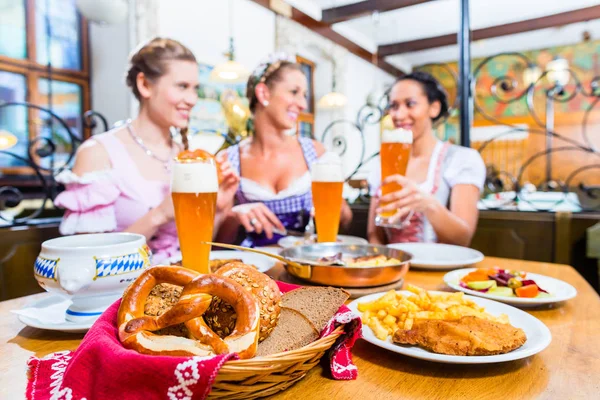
293	211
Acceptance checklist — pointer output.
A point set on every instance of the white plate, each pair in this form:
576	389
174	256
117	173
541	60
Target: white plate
560	290
55	305
291	241
263	263
438	256
538	335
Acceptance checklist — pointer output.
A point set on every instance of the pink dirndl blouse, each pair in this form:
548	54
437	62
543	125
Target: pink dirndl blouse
112	200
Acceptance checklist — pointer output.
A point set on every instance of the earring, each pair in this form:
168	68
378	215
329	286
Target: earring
265	103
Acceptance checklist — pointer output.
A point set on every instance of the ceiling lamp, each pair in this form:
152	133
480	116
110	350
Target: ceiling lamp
7	140
230	71
333	99
103	11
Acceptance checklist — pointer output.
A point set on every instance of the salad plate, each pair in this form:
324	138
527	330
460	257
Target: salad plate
524	290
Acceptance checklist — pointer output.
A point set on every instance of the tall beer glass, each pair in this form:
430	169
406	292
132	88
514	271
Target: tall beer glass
394	154
327	187
194	187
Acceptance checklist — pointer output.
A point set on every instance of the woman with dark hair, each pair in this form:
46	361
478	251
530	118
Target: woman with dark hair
274	193
121	178
443	182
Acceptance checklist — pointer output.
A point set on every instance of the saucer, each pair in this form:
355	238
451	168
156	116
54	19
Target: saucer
48	312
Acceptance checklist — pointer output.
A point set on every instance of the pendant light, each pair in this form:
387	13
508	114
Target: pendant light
230	71
333	99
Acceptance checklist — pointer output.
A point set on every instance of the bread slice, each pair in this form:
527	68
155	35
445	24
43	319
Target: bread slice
293	331
318	304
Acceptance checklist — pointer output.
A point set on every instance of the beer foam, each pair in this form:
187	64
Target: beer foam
397	136
194	177
327	172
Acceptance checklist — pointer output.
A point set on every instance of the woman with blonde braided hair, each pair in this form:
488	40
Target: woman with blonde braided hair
274	192
121	179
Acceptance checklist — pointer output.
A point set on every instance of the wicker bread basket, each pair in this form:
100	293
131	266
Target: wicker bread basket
265	376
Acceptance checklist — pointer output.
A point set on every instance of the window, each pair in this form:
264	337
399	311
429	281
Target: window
306	120
44	61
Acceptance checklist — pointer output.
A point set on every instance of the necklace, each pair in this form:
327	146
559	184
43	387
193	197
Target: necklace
166	163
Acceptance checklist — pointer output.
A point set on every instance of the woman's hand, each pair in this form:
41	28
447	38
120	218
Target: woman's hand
410	197
229	182
257	217
164	212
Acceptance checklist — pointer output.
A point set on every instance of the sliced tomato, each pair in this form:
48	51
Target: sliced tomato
529	291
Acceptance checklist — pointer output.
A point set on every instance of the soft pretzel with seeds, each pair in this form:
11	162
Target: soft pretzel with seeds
221	317
135	328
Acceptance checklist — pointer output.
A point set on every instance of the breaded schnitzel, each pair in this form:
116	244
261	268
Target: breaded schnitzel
468	336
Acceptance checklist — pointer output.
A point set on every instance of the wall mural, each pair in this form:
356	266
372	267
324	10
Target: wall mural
534	122
583	59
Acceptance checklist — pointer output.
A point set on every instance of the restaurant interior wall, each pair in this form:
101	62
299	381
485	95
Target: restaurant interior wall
109	50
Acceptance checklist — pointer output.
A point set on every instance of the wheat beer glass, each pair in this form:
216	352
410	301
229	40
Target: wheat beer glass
327	187
194	187
394	154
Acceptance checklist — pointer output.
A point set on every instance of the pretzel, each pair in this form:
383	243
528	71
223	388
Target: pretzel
135	328
221	317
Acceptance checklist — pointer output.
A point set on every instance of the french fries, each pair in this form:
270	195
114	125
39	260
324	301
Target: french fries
395	311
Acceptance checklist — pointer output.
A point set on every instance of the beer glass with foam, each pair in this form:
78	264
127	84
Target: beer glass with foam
194	188
327	187
394	154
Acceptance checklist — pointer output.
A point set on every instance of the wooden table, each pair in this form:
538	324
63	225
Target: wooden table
568	369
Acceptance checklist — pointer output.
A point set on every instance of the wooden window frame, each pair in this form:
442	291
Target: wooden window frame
33	71
308	117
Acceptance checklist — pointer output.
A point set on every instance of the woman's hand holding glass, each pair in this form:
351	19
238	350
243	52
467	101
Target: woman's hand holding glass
411	198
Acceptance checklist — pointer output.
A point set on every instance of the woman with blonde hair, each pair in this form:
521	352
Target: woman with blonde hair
274	193
121	179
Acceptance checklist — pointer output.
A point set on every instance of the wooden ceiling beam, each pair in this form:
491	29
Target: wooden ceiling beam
549	21
344	13
326	31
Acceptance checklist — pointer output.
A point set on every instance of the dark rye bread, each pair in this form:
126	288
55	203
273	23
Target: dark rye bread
318	304
292	332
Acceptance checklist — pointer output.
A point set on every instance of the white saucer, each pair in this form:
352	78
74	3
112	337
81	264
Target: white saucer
439	256
48	312
262	263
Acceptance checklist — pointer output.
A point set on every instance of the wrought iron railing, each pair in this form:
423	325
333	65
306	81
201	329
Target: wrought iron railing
40	150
